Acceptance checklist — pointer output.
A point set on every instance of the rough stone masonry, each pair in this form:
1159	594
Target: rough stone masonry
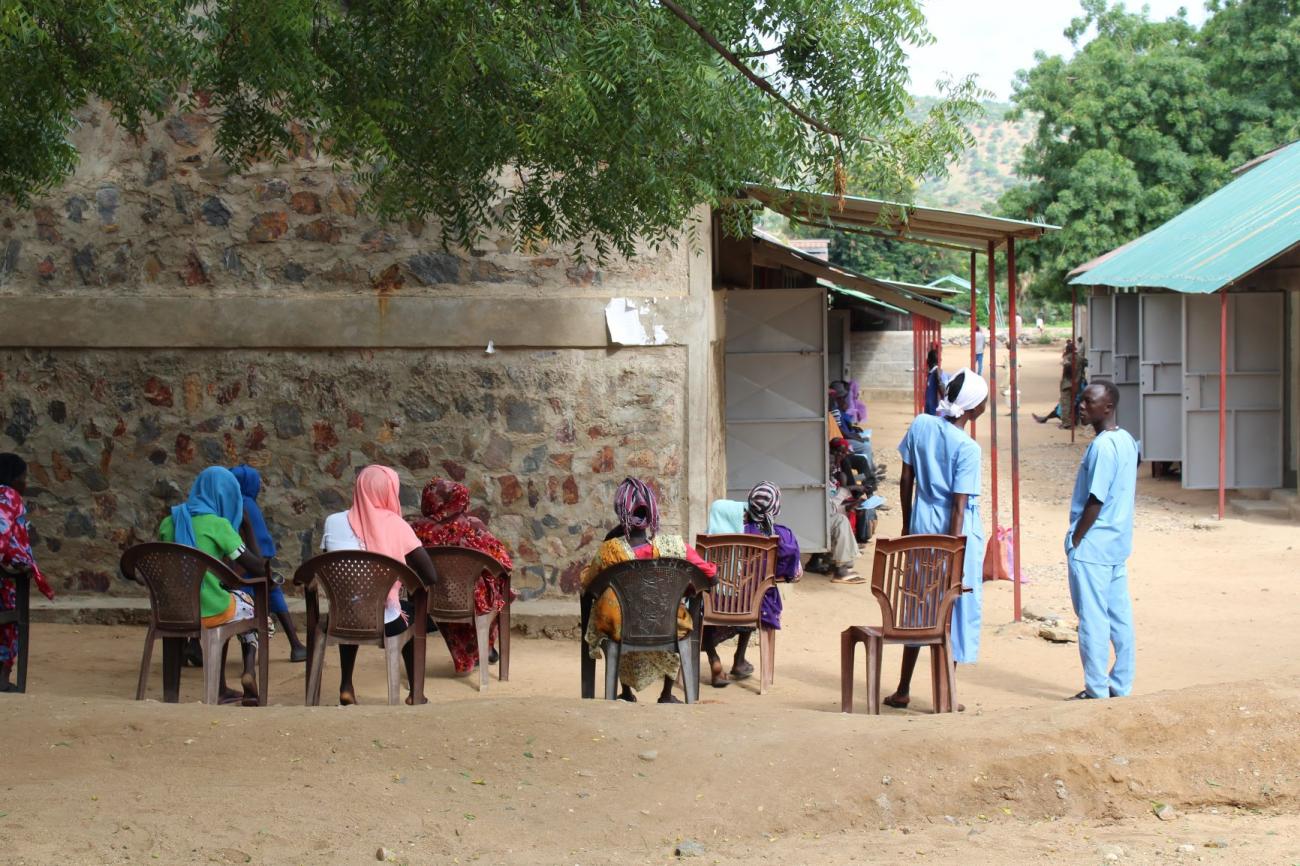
116	425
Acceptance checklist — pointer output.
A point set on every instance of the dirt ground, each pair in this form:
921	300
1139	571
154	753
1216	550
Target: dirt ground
528	773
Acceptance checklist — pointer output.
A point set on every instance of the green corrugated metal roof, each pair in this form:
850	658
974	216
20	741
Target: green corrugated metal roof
1218	240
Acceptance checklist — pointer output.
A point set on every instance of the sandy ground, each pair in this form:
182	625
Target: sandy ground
527	773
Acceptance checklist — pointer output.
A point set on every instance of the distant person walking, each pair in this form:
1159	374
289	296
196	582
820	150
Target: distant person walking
980	339
1098	545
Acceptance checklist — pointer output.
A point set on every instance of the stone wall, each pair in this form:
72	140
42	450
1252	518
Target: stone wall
881	361
175	315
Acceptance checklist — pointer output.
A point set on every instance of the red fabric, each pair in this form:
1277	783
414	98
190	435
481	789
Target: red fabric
15	554
647	551
446	524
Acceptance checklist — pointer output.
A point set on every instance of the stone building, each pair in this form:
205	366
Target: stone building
163	313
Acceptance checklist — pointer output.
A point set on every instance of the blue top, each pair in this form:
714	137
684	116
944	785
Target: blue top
215	491
250	485
1108	471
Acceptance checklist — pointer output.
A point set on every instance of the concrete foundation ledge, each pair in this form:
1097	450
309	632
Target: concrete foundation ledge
555	618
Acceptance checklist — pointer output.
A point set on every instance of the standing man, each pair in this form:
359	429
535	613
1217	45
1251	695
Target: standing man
1098	545
980	338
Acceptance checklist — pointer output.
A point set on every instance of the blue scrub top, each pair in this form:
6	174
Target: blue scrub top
1108	471
946	461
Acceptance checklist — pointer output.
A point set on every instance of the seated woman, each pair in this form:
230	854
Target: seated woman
15	555
262	544
445	522
636	538
207	521
374	522
760	511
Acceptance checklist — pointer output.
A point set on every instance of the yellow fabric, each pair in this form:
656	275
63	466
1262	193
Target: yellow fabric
221	618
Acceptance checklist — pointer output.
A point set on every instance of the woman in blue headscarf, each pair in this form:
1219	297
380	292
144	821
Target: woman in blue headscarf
207	520
259	540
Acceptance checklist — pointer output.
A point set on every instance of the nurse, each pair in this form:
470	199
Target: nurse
1098	545
941	464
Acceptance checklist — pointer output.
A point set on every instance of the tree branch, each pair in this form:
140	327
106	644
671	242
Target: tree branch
750	55
758	81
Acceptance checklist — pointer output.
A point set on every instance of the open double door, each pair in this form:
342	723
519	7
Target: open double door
1162	351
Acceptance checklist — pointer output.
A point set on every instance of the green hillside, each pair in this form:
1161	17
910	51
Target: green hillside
987	169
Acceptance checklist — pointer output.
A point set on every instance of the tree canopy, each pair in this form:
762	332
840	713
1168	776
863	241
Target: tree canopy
1147	118
598	123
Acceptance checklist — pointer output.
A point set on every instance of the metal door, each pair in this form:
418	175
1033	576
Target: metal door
1161	360
1124	362
1253	455
837	344
1101	336
776	403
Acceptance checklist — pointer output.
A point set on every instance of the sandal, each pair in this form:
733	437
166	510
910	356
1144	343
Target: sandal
896	702
742	672
852	578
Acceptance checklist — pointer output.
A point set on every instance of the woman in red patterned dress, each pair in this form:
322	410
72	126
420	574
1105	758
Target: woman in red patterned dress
15	555
445	523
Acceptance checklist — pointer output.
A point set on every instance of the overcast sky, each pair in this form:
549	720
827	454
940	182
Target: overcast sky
994	38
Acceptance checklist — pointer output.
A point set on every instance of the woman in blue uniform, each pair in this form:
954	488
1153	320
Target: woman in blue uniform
941	464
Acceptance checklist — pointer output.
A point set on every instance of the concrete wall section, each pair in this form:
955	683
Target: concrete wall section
882	360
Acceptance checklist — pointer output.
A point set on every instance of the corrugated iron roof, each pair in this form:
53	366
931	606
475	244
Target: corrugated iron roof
1216	241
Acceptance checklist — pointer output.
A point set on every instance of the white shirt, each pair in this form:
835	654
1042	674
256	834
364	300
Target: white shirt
980	338
338	535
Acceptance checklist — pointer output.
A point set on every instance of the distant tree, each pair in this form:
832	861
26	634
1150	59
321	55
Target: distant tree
592	122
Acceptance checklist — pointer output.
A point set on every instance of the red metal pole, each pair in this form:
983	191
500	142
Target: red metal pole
1015	422
1074	380
916	365
1223	398
972	325
991	348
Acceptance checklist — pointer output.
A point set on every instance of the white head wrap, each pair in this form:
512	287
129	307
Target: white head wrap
974	391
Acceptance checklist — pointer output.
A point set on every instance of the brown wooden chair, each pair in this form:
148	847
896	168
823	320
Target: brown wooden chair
173	574
648	593
915	579
20	616
746	571
451	599
356	584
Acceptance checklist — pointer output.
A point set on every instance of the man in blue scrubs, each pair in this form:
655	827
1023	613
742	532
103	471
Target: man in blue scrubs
1098	545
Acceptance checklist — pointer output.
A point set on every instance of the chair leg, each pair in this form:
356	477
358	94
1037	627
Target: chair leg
263	648
482	629
393	656
763	638
145	658
771	656
173	647
211	643
690	669
612	652
316	668
503	643
23	589
875	650
950	666
848	644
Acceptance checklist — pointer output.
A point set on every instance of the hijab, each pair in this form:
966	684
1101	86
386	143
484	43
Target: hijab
726	517
763	505
376	514
966	390
444	502
635	507
250	485
12	467
216	492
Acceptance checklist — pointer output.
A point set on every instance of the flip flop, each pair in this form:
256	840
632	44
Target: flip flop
851	578
742	673
896	702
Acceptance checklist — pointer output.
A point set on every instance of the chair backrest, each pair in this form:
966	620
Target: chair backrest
459	568
916	579
746	568
356	582
648	593
173	574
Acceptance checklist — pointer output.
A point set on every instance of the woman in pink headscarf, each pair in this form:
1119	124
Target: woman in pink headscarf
374	523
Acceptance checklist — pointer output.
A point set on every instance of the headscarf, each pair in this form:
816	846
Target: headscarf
635	507
856	406
12	467
376	514
967	390
215	491
726	517
763	505
443	504
250	485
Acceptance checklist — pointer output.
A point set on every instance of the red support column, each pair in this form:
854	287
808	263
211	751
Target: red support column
973	322
1223	398
1015	422
916	364
991	349
1078	359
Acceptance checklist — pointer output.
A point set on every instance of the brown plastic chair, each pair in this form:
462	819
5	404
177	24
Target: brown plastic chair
746	571
451	599
173	574
356	584
20	616
648	593
915	579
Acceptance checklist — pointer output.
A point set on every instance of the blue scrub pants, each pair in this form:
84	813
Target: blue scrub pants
979	363
1101	601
